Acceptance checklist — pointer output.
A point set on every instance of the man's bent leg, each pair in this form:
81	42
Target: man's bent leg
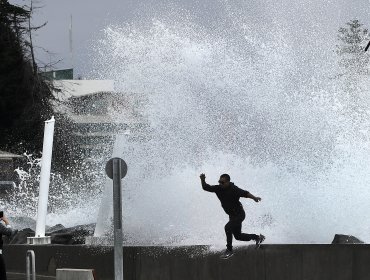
236	225
245	236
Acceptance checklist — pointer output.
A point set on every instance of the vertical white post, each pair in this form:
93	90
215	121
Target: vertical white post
71	44
105	212
44	181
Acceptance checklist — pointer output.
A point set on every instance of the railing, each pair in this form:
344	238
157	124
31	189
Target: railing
30	265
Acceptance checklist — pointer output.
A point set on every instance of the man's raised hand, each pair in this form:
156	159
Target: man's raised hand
202	176
257	199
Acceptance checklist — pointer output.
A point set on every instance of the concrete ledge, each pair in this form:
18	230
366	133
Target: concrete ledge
39	240
98	241
271	262
75	274
22	276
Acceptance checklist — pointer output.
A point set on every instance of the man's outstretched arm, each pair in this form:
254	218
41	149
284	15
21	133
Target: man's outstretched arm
205	186
251	196
247	194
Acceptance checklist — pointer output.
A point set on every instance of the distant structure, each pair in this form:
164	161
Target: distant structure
7	175
99	114
63	74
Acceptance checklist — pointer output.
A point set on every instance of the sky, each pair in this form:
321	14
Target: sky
89	18
52	41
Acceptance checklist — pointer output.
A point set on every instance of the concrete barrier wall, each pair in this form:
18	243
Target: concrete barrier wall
271	262
75	274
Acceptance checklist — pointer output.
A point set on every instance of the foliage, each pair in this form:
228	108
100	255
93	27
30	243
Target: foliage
354	63
26	100
24	97
353	40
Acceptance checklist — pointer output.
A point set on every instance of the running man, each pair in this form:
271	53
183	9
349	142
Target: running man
229	195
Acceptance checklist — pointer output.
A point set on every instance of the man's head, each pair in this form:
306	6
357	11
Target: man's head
224	180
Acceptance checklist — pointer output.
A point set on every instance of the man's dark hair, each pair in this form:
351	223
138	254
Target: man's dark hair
226	176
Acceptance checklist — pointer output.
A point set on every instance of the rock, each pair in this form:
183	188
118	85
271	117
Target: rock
21	236
59	235
55	228
73	235
346	239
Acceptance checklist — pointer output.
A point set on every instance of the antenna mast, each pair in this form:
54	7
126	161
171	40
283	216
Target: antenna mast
71	44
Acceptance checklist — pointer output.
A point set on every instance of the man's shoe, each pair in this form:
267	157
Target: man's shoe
260	239
227	254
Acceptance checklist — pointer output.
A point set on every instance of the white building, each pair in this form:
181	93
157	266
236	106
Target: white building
7	175
98	113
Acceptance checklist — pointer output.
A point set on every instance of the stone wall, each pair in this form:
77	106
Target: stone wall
271	262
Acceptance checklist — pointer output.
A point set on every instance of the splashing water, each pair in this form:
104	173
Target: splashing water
251	94
67	202
248	100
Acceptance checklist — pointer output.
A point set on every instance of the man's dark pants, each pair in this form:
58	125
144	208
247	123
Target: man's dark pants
234	227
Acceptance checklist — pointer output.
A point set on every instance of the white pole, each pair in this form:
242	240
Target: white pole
105	212
71	43
45	178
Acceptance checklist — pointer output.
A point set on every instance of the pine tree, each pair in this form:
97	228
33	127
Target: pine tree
25	98
354	64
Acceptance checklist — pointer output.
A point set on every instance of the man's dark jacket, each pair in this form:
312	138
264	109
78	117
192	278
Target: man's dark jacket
229	197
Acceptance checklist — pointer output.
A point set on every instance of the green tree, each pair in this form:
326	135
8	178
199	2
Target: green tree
26	100
354	66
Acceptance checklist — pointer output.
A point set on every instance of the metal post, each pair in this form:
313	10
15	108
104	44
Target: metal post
45	178
105	212
116	169
42	206
30	265
117	220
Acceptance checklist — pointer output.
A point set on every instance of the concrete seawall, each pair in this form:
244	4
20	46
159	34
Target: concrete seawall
271	262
